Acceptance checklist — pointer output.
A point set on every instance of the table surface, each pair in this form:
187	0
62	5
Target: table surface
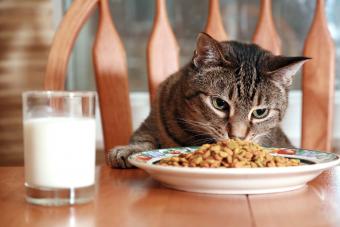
132	198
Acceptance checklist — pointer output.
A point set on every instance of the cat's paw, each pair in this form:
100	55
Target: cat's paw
118	156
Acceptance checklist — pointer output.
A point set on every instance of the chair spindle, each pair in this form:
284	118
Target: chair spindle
110	66
162	50
265	34
318	84
214	26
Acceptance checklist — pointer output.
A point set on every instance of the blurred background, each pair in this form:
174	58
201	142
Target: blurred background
27	28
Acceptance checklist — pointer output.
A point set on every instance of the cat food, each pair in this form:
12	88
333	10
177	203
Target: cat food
230	154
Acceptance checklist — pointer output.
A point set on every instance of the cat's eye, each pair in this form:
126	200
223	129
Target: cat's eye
260	113
219	103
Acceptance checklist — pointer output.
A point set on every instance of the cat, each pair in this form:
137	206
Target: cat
228	90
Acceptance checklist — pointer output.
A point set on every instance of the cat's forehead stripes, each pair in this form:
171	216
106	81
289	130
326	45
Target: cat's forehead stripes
247	61
257	101
231	93
246	81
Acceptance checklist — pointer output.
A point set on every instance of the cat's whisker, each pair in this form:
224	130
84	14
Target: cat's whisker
198	124
208	129
211	133
203	141
208	133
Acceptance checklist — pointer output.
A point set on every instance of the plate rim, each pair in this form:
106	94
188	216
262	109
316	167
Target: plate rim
236	171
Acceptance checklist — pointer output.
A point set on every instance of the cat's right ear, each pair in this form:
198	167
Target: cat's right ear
282	69
208	51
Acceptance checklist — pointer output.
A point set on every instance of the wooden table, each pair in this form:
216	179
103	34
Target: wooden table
132	198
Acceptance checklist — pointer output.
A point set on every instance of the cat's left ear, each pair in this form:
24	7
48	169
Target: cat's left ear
282	69
208	51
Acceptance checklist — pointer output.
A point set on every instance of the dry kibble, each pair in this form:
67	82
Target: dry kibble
217	157
206	154
223	154
198	160
216	148
175	159
233	153
211	161
204	164
253	165
248	155
229	159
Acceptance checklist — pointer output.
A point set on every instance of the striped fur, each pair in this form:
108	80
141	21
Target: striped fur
244	75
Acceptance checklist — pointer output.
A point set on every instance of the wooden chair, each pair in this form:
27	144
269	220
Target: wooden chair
111	69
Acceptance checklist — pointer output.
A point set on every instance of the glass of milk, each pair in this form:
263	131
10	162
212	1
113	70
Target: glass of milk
59	146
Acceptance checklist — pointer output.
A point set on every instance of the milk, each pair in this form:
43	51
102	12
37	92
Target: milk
59	152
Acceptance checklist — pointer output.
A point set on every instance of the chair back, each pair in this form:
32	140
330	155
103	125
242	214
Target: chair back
110	65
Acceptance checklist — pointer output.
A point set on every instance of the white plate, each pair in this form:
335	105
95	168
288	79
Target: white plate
235	180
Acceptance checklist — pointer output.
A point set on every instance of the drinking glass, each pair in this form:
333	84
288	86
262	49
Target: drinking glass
59	147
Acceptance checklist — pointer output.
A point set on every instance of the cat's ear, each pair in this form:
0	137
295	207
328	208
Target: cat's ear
208	51
282	69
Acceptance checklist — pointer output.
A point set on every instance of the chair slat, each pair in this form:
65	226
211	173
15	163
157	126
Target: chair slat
214	26
318	84
265	34
63	42
112	82
162	50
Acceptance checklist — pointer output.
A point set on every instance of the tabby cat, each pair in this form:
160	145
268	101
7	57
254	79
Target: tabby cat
228	90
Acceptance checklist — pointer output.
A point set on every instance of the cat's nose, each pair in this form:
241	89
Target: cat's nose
237	130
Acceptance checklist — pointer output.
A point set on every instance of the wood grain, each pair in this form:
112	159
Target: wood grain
63	42
316	205
318	84
162	50
265	34
214	26
123	198
112	82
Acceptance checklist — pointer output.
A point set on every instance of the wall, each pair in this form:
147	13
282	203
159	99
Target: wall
25	36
